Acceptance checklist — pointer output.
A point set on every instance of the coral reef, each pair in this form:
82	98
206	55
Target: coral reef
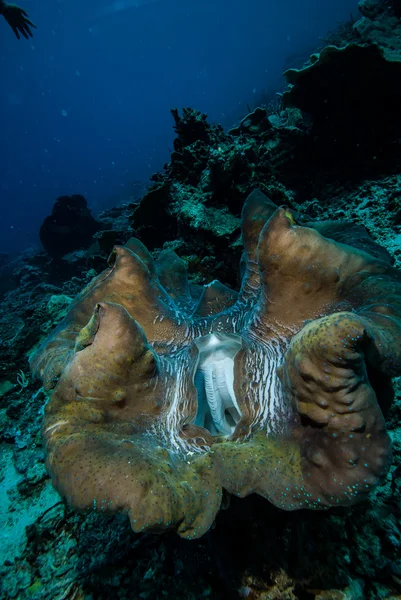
341	90
254	550
69	227
339	124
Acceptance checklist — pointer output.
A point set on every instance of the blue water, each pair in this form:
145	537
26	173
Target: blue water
85	104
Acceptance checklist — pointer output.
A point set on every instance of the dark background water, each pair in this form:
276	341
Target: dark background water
85	105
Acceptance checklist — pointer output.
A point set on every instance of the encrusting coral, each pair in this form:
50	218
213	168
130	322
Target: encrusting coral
162	400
